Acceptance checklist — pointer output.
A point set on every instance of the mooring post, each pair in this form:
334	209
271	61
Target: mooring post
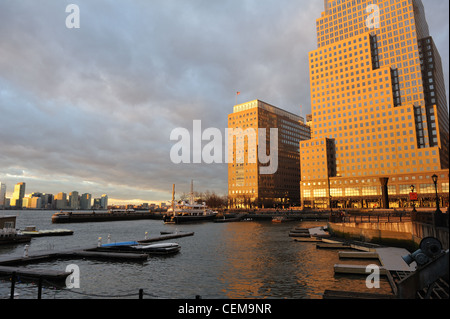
141	293
13	284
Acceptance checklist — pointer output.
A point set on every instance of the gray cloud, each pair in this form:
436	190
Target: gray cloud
92	109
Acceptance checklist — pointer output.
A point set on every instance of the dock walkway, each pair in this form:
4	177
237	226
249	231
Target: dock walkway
12	264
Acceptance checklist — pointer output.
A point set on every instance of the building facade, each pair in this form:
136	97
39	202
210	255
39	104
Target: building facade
248	186
74	200
377	93
18	195
86	201
2	194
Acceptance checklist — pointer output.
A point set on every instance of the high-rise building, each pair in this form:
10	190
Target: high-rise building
60	201
74	201
2	194
86	201
104	201
18	195
377	94
248	184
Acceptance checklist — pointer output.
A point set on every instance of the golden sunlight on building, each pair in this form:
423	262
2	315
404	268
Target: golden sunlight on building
379	108
247	187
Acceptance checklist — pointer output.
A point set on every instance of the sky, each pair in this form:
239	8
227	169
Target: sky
91	109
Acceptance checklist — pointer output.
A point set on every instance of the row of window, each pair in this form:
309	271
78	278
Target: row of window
373	190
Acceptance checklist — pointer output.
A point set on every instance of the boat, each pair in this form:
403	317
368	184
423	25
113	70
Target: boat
154	249
9	234
188	212
280	219
102	216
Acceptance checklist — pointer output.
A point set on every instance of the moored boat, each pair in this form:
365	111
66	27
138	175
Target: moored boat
188	212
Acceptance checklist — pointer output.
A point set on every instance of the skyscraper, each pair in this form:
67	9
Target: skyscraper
74	201
19	193
2	194
86	201
104	201
377	94
248	185
60	201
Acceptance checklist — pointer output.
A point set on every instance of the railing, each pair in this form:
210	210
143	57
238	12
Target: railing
430	218
369	217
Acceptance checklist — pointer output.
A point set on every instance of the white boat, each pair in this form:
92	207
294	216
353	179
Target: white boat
188	212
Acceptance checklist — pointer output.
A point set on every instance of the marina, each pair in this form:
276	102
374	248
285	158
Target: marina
205	252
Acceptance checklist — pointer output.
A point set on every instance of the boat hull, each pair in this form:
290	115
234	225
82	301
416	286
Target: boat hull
188	219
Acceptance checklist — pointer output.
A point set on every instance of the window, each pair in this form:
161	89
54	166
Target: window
369	191
404	189
427	188
320	193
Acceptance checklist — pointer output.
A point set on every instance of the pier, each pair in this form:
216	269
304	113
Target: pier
13	266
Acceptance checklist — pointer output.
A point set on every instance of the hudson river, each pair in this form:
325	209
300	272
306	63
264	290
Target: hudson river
237	260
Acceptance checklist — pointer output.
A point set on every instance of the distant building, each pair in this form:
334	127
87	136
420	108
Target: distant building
2	194
97	203
104	201
86	201
74	201
61	201
35	203
47	201
18	195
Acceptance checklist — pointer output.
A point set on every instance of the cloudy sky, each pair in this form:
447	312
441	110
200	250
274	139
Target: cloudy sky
92	109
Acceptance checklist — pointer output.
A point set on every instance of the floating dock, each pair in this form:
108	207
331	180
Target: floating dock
10	265
48	274
45	233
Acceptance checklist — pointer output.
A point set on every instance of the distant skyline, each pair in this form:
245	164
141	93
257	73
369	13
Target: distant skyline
91	109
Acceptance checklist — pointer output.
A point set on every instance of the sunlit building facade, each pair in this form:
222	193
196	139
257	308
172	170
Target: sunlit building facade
247	187
18	195
378	95
2	194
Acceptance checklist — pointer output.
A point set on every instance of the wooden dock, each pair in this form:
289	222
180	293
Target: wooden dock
390	259
48	274
11	264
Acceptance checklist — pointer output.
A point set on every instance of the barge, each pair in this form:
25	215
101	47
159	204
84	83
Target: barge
112	215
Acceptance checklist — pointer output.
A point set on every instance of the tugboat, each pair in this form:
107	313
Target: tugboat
188	212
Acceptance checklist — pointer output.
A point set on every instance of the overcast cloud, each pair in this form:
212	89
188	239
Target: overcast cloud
91	109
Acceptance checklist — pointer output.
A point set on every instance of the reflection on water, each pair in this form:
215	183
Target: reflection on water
232	260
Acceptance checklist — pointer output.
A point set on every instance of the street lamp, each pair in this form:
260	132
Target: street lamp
413	201
435	178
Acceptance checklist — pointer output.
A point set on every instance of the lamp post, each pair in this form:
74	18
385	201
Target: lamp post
435	178
413	201
438	213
